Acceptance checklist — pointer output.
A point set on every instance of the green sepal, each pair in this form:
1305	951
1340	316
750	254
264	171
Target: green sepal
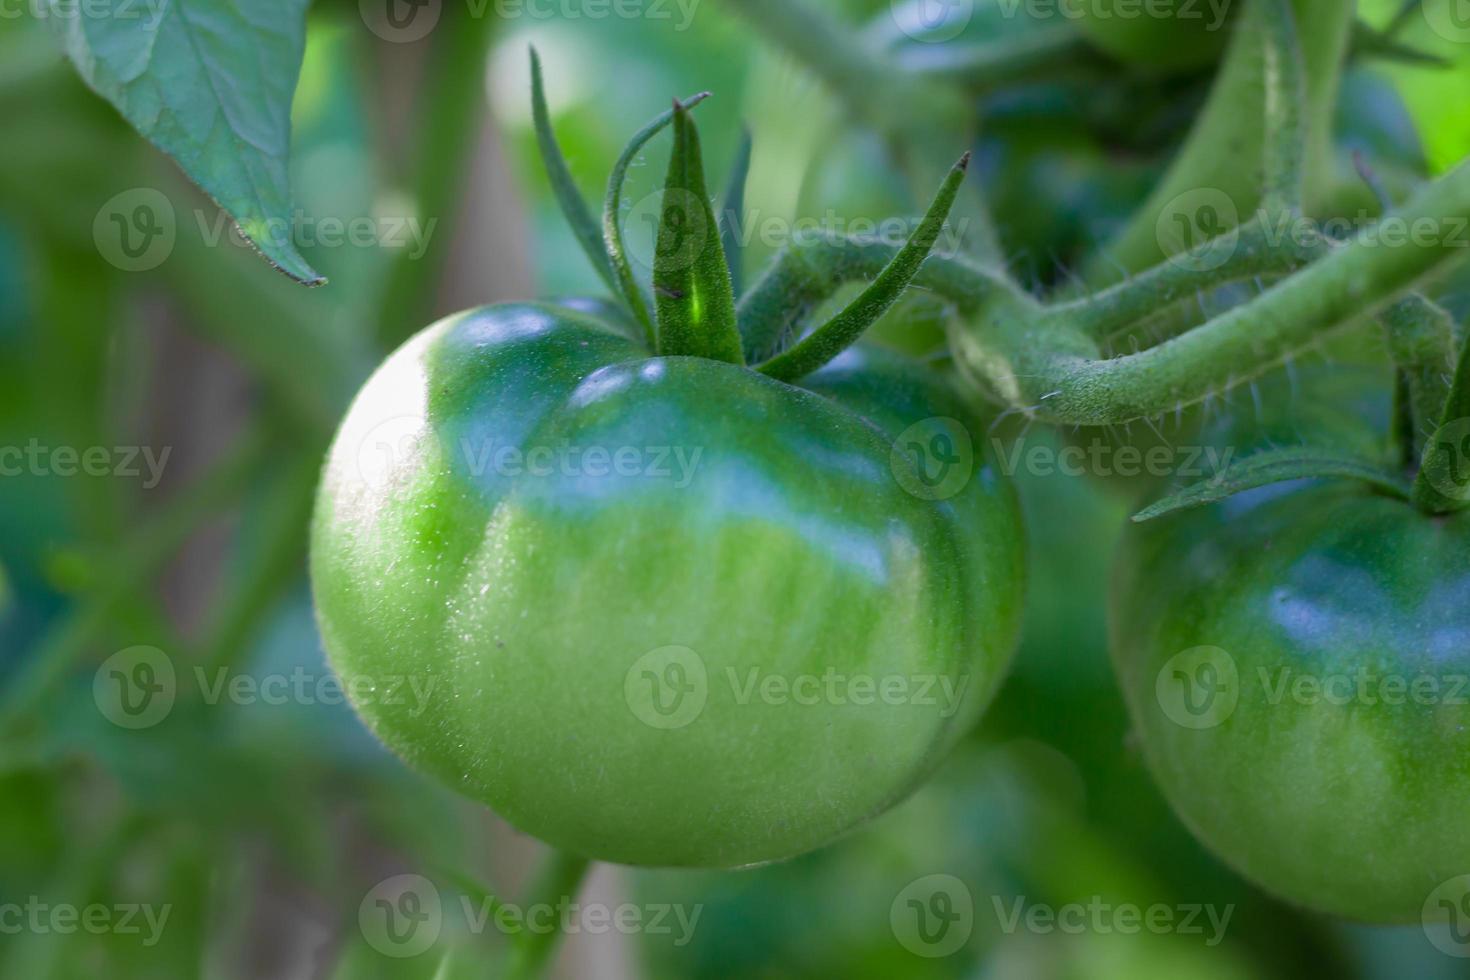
1278	466
573	207
840	332
612	231
691	276
1443	482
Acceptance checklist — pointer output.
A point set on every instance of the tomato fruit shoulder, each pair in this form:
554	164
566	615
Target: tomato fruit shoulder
1295	660
668	611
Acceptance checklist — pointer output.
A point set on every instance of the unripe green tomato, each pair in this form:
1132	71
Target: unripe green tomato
666	610
1295	661
1160	35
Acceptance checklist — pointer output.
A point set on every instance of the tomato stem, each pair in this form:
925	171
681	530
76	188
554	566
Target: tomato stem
452	104
1354	280
555	885
138	560
1037	360
806	274
1237	255
1421	338
1286	133
1226	151
839	333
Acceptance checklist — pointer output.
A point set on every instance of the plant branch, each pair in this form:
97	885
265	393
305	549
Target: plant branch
556	883
1421	337
837	334
1239	254
807	273
453	104
139	559
1224	152
1039	375
1286	111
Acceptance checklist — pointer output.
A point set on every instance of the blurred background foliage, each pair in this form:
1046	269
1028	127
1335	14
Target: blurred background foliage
263	826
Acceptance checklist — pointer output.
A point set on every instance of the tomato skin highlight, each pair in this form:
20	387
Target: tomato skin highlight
763	533
1328	777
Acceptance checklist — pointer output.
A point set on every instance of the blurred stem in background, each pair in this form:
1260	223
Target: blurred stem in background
450	107
926	125
135	566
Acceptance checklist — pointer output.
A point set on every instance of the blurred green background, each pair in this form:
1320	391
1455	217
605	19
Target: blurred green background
266	825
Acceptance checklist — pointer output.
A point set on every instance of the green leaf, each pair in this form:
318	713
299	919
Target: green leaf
691	277
1434	95
1278	466
840	332
612	230
732	213
573	207
210	83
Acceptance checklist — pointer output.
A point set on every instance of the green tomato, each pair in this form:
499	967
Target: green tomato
1189	34
664	611
1295	660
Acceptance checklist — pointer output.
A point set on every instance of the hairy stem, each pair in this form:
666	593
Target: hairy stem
837	334
1358	279
1237	255
1035	359
1223	158
1421	336
810	271
1286	132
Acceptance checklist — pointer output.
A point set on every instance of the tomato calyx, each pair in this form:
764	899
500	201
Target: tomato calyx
696	309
